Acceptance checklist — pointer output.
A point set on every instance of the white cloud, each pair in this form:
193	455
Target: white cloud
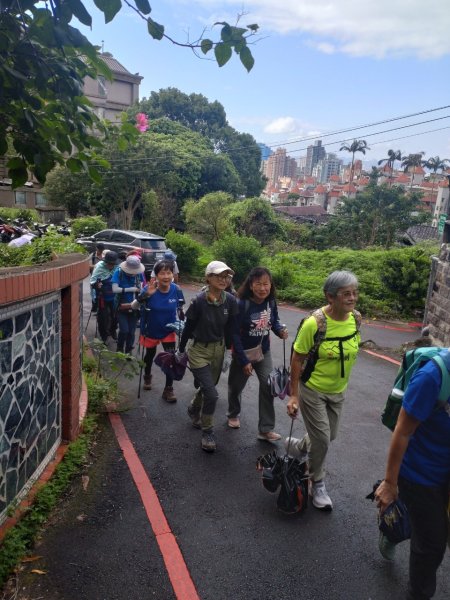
376	29
281	125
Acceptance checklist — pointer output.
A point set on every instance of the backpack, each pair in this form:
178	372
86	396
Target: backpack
320	336
411	362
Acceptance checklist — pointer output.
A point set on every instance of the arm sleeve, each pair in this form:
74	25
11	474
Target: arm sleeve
230	326
190	322
276	325
236	334
422	393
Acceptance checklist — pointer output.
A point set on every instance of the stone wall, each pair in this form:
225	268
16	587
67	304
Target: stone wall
40	368
437	314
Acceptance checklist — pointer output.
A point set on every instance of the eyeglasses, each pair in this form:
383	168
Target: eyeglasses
348	294
224	277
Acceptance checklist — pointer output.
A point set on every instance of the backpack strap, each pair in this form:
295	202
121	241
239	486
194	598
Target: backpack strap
442	360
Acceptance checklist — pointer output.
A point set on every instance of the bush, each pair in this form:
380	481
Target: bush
27	214
240	253
39	251
186	249
86	226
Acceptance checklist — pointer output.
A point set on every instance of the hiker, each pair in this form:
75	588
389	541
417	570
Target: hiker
418	471
169	256
258	314
319	375
102	285
127	281
96	256
209	325
161	305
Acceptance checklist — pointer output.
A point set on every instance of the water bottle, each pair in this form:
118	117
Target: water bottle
392	408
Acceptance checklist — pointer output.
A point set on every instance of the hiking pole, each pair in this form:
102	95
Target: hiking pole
89	318
141	369
290	436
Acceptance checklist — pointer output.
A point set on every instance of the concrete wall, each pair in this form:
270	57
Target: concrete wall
437	313
41	390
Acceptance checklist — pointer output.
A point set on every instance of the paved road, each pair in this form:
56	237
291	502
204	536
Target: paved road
236	545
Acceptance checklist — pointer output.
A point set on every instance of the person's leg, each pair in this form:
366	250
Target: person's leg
103	320
148	360
131	332
334	403
236	383
427	509
266	421
168	394
112	320
123	330
314	413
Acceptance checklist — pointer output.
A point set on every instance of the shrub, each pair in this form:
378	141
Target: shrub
39	251
85	226
240	253
186	249
27	214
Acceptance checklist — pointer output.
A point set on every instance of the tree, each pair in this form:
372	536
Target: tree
71	190
353	148
412	161
241	253
393	156
208	217
435	164
44	118
255	218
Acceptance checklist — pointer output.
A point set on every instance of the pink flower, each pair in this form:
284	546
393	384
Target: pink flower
141	122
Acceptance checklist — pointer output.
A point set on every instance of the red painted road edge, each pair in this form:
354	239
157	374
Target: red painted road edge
388	358
177	570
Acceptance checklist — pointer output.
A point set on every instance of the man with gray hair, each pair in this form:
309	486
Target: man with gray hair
324	353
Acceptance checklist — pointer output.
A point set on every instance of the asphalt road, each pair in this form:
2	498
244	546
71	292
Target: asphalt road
237	546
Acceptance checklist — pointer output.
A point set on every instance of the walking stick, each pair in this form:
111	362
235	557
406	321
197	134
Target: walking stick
89	318
142	355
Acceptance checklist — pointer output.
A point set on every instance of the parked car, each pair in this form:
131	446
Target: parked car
119	240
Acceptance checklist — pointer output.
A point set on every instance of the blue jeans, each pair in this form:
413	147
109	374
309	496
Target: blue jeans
427	508
127	329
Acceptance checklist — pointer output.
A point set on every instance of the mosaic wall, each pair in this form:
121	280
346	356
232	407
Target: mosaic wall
30	393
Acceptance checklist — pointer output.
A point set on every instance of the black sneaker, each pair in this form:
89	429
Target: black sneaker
195	417
208	441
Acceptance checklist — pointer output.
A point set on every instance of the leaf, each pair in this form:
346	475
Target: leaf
246	58
143	6
38	572
74	165
155	29
206	46
28	559
109	8
94	175
222	53
253	27
85	481
80	12
226	33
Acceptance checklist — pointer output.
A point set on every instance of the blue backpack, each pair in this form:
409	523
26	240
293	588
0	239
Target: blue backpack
412	361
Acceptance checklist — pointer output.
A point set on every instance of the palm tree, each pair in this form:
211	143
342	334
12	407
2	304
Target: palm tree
393	155
435	163
355	146
412	161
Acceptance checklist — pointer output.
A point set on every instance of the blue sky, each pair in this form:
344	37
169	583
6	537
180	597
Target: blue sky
321	66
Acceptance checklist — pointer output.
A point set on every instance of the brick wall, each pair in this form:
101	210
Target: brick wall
437	315
64	274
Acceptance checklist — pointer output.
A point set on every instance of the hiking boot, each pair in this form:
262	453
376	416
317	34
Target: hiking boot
168	394
208	441
269	436
387	548
148	382
320	497
195	417
296	449
234	423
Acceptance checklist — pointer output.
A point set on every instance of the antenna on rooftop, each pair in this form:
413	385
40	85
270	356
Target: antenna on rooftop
103	46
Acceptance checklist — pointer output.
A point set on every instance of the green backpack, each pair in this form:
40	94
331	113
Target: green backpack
413	360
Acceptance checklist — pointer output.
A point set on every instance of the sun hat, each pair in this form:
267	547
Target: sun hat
170	255
100	246
110	257
216	267
132	266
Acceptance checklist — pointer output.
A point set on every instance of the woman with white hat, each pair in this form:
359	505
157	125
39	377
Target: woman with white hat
209	326
126	283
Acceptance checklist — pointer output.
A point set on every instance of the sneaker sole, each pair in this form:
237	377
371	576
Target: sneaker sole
209	450
327	508
261	438
234	426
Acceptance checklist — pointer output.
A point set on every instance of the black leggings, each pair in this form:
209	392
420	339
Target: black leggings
149	357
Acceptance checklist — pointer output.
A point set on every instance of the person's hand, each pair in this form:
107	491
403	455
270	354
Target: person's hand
292	407
226	361
248	369
135	305
180	357
385	494
283	333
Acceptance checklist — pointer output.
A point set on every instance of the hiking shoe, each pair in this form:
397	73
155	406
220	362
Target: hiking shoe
269	436
234	423
195	417
208	441
387	548
296	449
168	394
148	383
320	497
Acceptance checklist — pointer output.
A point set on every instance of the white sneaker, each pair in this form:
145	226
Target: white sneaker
296	449
320	497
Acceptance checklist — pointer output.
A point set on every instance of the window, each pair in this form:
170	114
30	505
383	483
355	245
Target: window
122	238
103	236
153	244
20	198
41	200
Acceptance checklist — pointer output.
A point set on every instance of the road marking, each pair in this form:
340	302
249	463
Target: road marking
179	576
388	358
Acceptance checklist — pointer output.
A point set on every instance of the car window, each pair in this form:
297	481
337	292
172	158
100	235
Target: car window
103	236
122	237
153	244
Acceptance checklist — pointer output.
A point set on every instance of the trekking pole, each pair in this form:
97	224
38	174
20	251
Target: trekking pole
141	369
89	318
290	437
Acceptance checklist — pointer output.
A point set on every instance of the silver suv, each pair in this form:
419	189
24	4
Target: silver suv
119	240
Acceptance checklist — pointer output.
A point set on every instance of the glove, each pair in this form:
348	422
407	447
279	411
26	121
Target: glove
180	357
135	305
226	361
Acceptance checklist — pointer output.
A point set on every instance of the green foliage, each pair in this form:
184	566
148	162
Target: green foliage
208	217
86	226
240	253
152	215
186	249
39	251
68	189
255	217
29	215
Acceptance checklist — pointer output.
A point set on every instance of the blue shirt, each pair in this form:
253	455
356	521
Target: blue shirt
427	457
124	280
159	310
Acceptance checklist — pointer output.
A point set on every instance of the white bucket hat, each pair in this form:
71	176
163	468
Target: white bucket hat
216	267
132	266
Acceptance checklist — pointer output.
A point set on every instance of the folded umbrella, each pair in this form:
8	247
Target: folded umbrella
279	379
171	367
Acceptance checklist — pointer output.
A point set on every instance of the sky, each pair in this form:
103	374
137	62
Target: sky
321	66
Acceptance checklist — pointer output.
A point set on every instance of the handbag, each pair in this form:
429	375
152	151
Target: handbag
125	307
255	355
